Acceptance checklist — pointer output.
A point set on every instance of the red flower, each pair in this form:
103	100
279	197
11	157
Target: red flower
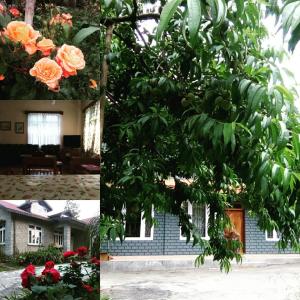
69	253
88	288
53	273
2	8
49	264
82	251
95	261
28	273
15	12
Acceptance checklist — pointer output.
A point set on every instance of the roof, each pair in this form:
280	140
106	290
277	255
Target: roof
57	217
28	203
17	210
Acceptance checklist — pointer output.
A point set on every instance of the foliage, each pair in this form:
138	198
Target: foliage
39	257
204	102
94	233
72	207
78	280
17	84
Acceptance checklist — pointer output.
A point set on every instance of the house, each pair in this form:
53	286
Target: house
29	226
166	239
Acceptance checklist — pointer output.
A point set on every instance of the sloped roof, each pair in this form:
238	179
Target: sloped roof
15	209
43	203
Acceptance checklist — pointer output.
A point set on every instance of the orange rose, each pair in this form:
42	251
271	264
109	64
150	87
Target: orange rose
2	77
93	84
46	46
70	59
18	31
61	19
47	71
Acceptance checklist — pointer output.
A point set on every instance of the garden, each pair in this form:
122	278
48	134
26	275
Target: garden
49	50
78	278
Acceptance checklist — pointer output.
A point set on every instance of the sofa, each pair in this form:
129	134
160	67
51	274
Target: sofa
11	154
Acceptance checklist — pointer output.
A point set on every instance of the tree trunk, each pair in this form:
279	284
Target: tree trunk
29	11
103	79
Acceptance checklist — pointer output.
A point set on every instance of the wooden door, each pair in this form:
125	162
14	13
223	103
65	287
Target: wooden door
237	218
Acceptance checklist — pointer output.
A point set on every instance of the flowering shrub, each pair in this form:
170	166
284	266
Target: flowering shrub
45	61
80	279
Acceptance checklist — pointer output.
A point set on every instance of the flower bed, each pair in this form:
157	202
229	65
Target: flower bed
80	279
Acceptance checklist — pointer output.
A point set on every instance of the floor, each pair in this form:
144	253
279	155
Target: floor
275	282
49	187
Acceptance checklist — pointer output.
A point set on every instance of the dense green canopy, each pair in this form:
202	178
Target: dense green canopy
201	100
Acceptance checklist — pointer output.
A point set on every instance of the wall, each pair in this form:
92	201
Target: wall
13	110
166	240
7	249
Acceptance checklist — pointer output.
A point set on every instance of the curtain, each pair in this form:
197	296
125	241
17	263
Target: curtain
91	131
44	129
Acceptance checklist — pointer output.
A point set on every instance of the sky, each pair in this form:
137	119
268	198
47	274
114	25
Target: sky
88	208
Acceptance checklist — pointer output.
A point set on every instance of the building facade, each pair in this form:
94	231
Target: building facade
165	238
28	227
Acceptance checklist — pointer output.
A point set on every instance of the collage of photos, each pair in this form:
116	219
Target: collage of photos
149	149
49	150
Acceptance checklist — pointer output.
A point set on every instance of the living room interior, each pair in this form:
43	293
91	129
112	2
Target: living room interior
53	137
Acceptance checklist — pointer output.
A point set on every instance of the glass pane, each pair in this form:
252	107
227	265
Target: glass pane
148	229
133	222
199	217
30	237
270	234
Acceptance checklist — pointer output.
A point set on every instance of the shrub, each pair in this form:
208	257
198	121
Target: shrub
77	280
40	257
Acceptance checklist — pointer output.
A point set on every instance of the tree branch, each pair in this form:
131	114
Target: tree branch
103	79
128	19
29	11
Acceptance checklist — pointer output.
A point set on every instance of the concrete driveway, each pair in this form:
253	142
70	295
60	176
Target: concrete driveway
267	282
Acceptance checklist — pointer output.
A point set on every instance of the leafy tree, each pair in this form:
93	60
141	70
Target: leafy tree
72	207
200	101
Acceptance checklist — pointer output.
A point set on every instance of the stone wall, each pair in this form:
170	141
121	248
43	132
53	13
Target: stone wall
166	240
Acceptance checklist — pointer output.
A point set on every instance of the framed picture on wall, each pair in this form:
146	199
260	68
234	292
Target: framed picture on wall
5	125
19	127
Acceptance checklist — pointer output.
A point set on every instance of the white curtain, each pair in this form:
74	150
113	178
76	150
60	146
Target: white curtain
91	132
44	129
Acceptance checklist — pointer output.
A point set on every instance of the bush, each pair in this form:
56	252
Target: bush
78	280
40	257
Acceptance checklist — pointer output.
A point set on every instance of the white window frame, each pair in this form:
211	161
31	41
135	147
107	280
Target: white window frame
36	232
275	237
58	238
2	235
190	212
142	236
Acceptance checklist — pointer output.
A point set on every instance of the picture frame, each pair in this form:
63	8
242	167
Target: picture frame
19	127
5	125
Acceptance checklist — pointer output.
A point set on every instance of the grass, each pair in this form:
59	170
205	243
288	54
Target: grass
104	297
7	266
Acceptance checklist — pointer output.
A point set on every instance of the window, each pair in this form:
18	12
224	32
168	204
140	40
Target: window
58	239
272	236
2	233
44	128
91	131
136	227
34	235
199	217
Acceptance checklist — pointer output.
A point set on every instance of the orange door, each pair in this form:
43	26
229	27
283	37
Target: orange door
237	218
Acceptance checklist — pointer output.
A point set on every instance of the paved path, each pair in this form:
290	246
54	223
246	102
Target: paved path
276	282
10	281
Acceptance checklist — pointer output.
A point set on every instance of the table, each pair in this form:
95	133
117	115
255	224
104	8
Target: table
50	187
91	169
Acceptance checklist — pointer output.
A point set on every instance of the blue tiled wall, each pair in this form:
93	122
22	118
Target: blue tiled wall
166	240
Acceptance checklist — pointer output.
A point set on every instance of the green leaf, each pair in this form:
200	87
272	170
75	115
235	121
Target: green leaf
68	297
218	10
84	33
227	132
38	289
239	7
194	8
166	15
